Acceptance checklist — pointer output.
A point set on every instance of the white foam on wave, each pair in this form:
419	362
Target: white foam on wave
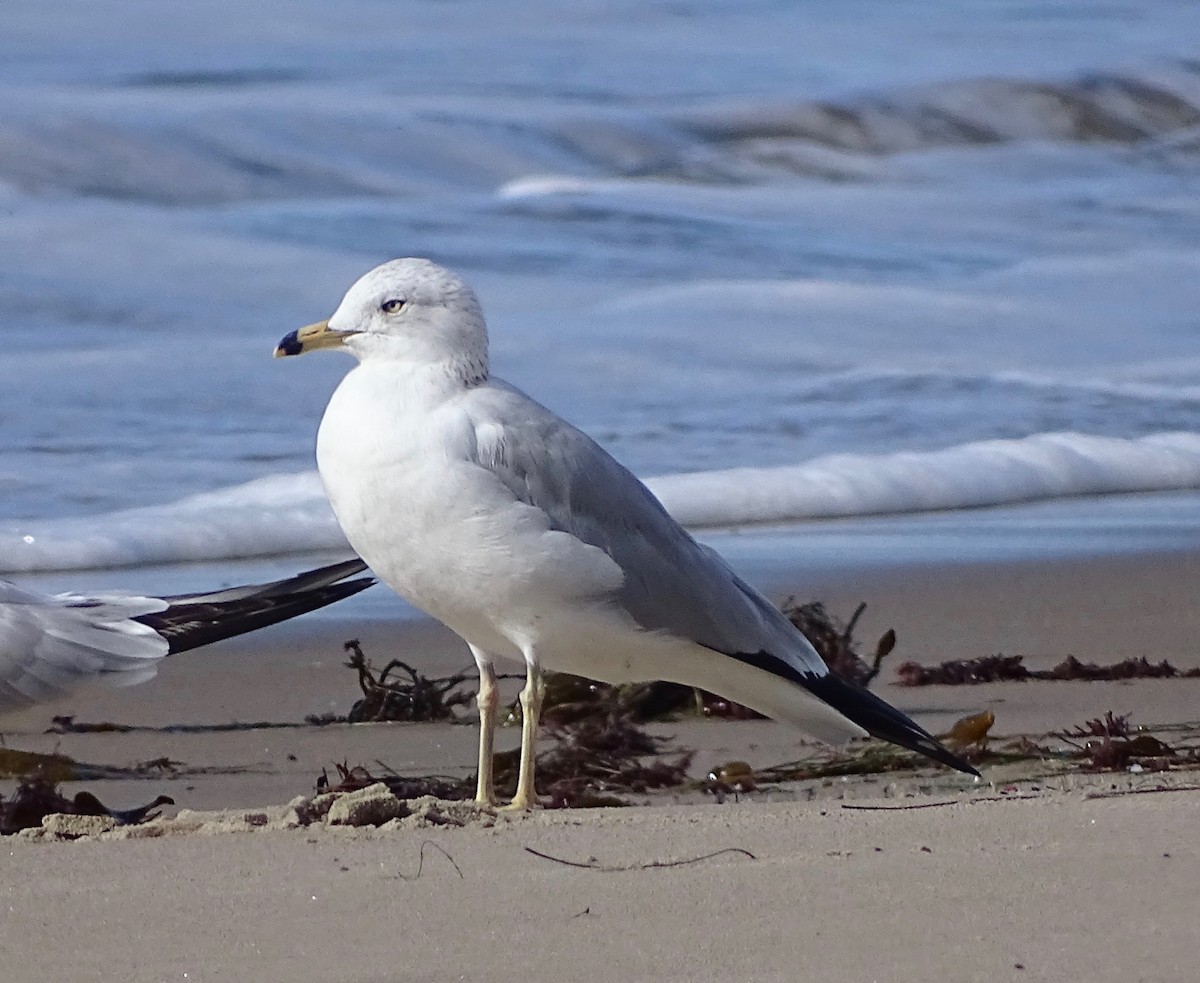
284	513
288	513
981	473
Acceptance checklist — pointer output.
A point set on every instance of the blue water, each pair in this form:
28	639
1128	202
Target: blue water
850	245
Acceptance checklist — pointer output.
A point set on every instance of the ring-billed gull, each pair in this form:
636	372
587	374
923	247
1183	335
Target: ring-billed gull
522	535
51	645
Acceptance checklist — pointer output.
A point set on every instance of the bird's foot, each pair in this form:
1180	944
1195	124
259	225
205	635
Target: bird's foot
522	803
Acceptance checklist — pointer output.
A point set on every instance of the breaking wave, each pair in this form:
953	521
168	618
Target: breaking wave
288	513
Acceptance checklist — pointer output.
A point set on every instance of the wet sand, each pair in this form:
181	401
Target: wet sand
1056	886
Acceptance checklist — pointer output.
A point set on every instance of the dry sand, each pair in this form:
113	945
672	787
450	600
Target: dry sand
1053	886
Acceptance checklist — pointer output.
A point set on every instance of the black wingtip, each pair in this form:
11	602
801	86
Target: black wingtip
881	719
201	619
299	583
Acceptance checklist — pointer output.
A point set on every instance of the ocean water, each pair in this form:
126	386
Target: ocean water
792	261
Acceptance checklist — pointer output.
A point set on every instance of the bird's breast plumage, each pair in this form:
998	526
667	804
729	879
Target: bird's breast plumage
400	464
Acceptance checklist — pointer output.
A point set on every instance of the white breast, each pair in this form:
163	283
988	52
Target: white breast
397	455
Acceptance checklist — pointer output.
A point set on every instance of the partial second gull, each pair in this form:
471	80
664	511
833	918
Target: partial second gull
51	645
522	535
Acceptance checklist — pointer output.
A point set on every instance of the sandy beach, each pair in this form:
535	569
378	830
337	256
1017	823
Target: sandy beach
1011	879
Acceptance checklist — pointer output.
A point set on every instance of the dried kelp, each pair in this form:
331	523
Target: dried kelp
39	797
15	763
67	724
867	758
834	641
353	778
969	737
959	672
1012	668
1072	668
416	698
1111	743
595	760
1107	743
54	768
590	762
1110	725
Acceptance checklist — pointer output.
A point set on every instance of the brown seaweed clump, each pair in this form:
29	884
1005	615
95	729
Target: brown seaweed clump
354	778
1110	743
39	797
595	760
834	642
592	762
1012	668
417	698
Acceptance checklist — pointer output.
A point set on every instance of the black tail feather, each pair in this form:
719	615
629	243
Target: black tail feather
880	719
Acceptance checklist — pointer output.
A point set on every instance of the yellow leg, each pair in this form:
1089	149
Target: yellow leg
488	700
531	709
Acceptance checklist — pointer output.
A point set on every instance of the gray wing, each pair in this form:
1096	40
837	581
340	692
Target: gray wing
672	583
51	645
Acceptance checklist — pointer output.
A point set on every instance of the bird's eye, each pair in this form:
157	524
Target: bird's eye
393	306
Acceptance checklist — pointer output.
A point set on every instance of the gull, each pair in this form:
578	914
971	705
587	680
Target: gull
522	535
51	645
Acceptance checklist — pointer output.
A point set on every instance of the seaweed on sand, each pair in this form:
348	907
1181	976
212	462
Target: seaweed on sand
1012	668
834	642
590	762
595	760
969	736
39	797
416	698
1110	743
353	778
15	763
55	768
